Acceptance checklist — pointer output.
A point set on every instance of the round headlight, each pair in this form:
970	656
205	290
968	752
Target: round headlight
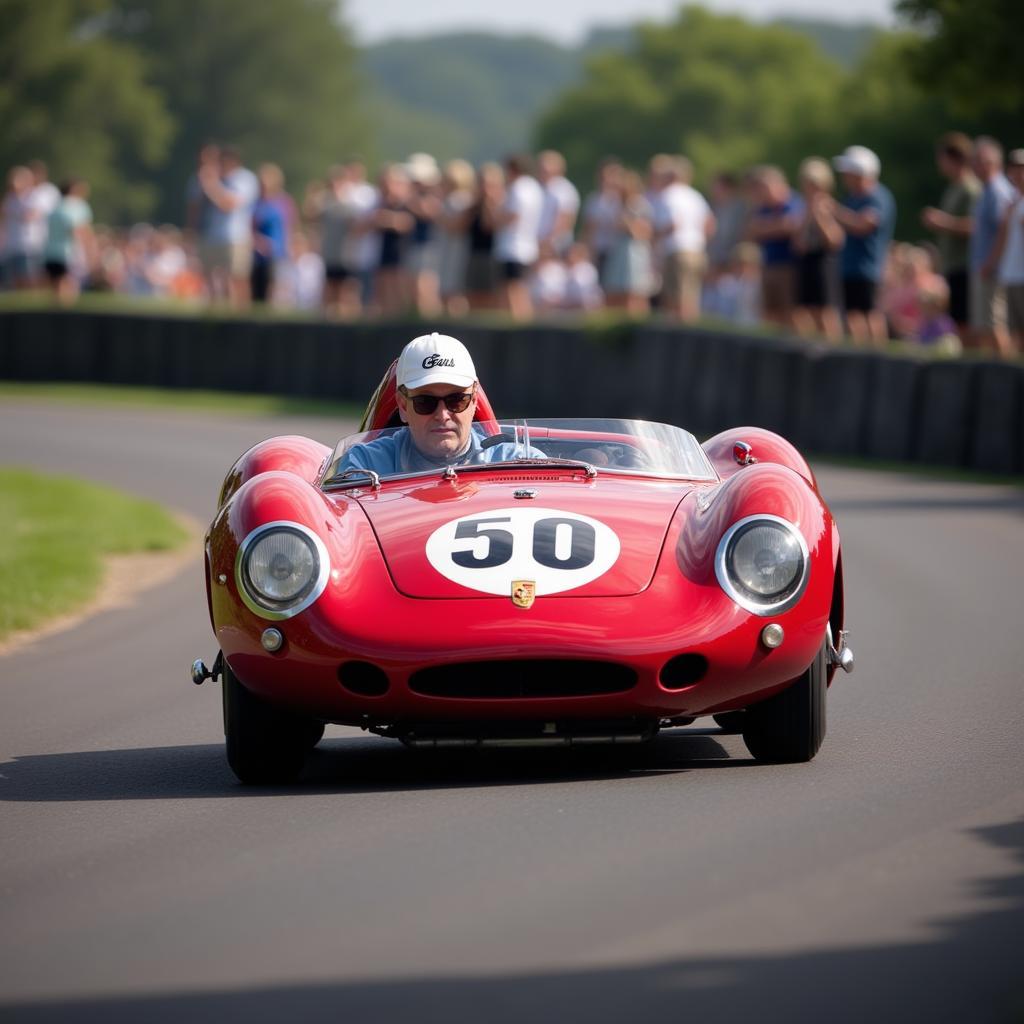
762	564
282	568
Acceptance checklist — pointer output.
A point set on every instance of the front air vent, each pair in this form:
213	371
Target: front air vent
528	678
683	670
362	678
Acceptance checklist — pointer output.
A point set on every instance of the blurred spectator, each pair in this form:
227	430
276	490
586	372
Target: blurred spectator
868	215
197	204
269	233
816	243
422	257
69	251
1009	251
549	281
730	210
629	279
909	275
776	215
988	298
735	295
515	240
300	282
952	220
165	264
361	246
43	200
332	208
937	328
582	290
683	223
561	203
18	269
482	270
394	223
601	208
457	197
226	248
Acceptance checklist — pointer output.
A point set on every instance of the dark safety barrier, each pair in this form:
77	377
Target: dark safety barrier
965	413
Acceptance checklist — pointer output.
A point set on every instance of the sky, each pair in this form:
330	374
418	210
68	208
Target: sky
569	21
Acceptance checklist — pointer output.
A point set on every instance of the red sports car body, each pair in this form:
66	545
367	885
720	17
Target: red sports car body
613	579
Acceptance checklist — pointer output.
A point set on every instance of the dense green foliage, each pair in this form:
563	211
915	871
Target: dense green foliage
971	53
79	100
54	533
276	78
730	94
471	95
720	89
123	92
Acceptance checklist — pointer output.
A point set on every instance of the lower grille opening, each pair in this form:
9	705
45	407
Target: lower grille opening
683	670
539	677
363	678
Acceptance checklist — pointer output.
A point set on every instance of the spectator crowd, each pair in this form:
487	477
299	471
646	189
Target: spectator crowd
815	256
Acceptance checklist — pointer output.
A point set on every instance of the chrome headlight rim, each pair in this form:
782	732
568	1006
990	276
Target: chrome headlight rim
285	611
743	598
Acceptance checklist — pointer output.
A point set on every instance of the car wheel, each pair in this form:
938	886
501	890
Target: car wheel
264	745
790	726
730	722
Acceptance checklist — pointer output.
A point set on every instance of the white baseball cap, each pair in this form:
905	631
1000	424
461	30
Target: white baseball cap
858	160
435	359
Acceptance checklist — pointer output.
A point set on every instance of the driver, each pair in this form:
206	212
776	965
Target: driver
437	389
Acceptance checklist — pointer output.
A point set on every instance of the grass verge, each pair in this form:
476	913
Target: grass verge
177	398
54	535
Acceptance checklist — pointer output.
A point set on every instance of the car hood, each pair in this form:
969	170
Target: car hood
483	536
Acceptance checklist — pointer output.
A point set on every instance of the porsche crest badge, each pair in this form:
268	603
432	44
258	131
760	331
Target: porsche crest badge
523	593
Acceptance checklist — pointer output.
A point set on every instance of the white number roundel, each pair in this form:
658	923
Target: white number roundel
557	550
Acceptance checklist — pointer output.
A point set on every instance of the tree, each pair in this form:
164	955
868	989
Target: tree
970	52
79	101
277	78
725	92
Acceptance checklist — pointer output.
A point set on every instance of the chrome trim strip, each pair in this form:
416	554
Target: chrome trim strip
743	600
319	585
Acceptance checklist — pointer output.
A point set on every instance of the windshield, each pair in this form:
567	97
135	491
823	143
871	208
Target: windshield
608	445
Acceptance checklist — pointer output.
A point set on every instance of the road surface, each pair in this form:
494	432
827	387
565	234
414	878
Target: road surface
883	881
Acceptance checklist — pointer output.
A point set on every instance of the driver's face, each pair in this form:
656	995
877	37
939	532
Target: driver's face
442	433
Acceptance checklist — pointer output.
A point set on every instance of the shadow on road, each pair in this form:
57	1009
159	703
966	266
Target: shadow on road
343	766
969	970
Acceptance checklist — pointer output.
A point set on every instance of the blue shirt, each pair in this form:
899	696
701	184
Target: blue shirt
778	251
864	255
995	197
268	221
396	453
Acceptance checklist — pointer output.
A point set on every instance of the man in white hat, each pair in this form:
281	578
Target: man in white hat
868	215
437	394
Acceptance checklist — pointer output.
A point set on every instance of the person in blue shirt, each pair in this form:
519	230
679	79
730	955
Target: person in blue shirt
437	396
269	233
868	215
987	302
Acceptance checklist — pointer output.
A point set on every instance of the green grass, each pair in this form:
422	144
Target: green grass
54	534
174	398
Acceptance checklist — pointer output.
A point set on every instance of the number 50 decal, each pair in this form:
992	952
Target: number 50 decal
557	550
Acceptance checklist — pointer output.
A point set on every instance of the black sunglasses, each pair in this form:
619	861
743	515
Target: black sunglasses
425	405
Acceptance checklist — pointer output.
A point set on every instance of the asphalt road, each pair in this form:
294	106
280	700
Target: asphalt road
883	881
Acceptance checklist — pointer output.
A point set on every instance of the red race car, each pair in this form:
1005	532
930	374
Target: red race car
602	580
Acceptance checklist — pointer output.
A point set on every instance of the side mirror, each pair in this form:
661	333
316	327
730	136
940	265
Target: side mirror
743	454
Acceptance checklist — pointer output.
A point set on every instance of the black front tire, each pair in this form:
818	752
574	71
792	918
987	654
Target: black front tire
789	727
730	722
264	744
